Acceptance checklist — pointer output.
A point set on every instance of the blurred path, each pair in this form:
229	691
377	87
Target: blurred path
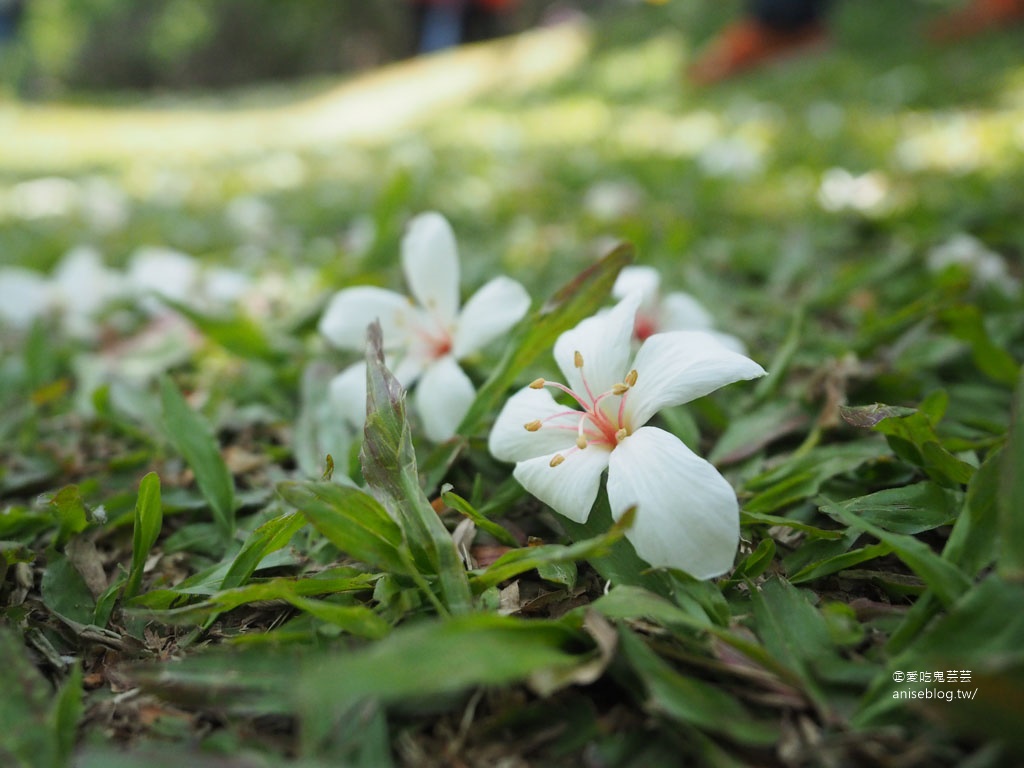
369	108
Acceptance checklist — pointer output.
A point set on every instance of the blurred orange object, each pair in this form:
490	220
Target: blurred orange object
747	44
978	17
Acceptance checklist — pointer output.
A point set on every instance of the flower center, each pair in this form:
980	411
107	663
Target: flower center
600	423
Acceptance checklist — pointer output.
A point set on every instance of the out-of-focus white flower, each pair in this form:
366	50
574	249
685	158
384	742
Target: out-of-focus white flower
81	287
673	311
425	339
164	272
104	205
251	217
687	513
49	196
733	157
841	190
24	296
611	200
985	266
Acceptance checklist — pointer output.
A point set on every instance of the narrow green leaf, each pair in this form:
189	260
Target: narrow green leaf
149	517
529	558
236	332
908	509
269	537
948	581
355	619
690	700
967	323
429	660
463	507
192	437
26	738
389	466
838	563
65	711
1011	494
352	520
757	562
972	542
153	607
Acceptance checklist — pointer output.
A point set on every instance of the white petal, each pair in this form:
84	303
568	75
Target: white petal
604	342
24	296
430	259
351	310
687	515
510	441
682	312
571	487
680	366
646	280
489	313
347	394
443	396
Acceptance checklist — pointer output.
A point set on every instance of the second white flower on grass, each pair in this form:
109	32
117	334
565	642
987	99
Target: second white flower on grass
687	513
423	339
672	311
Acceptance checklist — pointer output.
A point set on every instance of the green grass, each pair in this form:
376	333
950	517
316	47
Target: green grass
181	583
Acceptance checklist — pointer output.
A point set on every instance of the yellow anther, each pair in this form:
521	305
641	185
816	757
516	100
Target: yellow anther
621	435
532	426
620	389
577	359
581	442
556	460
536	383
630	379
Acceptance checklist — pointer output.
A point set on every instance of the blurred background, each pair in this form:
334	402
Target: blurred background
60	46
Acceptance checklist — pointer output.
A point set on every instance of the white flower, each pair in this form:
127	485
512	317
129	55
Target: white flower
687	513
424	341
164	272
966	252
82	287
24	296
674	311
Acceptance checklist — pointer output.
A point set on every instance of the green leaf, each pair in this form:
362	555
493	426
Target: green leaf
802	476
69	511
967	323
972	542
1011	495
463	507
912	437
65	592
431	660
838	563
948	581
691	700
269	537
794	633
909	509
389	467
337	581
757	562
149	517
38	729
352	520
529	558
237	333
65	712
192	437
